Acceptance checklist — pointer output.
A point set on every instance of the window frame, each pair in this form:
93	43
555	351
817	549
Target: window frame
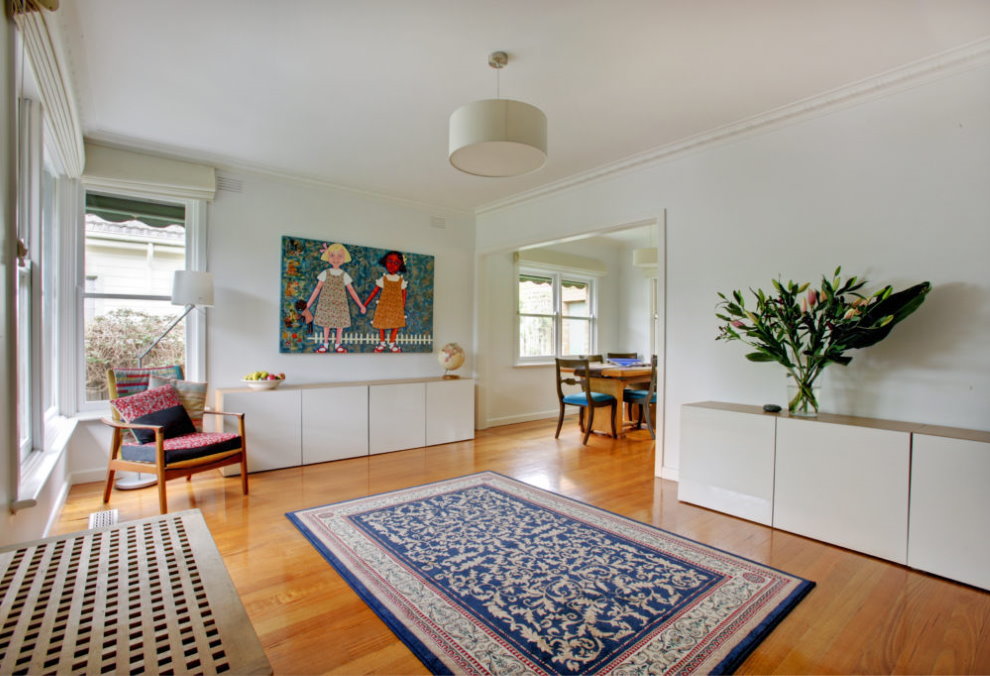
557	275
195	322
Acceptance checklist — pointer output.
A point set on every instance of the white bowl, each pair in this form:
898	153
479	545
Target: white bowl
262	384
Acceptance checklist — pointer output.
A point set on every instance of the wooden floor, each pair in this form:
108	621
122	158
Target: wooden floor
866	616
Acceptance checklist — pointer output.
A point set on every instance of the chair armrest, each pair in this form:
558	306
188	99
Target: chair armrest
238	415
130	426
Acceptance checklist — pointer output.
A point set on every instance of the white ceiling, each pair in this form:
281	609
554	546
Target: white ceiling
358	93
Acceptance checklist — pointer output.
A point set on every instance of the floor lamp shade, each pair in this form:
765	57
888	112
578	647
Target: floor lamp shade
191	287
498	137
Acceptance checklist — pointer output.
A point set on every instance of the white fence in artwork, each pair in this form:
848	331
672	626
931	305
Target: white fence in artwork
316	337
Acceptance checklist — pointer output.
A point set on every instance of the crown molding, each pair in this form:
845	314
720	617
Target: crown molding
42	42
898	79
221	164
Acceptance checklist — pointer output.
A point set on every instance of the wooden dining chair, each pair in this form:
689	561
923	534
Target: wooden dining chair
622	355
645	399
584	400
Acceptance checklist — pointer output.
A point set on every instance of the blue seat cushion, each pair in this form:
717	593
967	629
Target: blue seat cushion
186	447
638	396
581	400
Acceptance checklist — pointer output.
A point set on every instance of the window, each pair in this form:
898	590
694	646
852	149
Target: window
131	248
27	298
556	312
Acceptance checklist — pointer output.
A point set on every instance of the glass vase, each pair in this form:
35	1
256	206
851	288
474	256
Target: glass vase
802	398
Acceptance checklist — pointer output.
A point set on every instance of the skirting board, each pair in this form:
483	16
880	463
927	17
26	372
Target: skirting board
527	417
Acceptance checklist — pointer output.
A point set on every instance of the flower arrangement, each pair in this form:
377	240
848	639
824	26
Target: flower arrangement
806	329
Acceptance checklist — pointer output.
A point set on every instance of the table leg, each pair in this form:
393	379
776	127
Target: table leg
612	386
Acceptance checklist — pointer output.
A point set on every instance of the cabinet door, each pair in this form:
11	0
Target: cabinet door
843	484
396	417
727	462
335	423
949	508
449	411
272	426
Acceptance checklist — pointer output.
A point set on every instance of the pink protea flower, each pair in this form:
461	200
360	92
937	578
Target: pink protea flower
812	297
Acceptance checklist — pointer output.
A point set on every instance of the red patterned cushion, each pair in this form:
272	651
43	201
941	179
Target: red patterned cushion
157	406
143	403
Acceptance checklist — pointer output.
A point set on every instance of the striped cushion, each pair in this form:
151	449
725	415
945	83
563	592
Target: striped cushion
581	400
133	380
191	394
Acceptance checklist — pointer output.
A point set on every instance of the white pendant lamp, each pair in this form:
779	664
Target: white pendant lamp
498	137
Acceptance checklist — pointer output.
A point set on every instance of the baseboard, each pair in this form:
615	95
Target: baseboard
87	476
56	511
527	417
670	473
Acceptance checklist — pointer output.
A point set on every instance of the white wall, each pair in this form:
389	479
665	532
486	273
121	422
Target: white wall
894	189
513	393
245	239
244	253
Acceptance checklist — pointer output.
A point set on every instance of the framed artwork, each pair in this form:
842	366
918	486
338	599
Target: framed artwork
338	298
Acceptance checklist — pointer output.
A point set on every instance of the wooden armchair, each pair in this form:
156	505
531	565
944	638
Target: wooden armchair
157	436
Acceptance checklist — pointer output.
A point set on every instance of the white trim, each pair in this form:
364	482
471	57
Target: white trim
196	322
88	476
557	276
223	163
196	257
121	171
36	470
897	79
526	417
42	41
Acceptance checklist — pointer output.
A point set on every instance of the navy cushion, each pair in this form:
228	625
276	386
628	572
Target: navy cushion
581	400
638	396
175	419
188	447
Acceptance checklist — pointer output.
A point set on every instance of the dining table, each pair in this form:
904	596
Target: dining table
612	379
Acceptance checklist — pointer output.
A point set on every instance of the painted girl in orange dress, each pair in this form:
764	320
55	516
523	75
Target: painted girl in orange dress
390	313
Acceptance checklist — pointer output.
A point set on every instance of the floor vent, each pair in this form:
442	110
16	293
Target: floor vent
105	518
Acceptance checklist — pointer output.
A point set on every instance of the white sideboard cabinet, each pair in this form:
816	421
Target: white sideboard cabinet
398	417
844	484
334	423
727	461
906	492
303	424
273	426
950	503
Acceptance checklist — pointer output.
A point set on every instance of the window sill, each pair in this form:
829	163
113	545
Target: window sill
528	364
37	469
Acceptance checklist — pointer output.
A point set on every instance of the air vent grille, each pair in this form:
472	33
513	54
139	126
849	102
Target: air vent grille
230	184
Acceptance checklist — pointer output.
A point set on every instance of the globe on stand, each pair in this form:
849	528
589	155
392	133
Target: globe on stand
451	358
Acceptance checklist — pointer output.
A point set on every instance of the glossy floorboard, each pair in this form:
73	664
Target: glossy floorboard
866	616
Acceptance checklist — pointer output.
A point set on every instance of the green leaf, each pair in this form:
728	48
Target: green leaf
760	356
879	318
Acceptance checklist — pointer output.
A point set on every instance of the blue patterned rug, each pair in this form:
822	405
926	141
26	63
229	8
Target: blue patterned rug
487	575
